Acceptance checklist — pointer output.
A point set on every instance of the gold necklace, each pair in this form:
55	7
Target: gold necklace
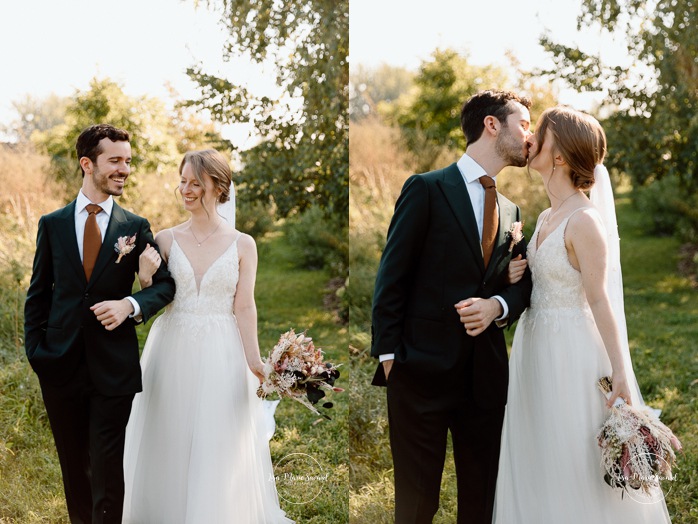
199	242
550	215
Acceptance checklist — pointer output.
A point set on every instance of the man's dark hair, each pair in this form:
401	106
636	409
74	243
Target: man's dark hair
88	141
492	102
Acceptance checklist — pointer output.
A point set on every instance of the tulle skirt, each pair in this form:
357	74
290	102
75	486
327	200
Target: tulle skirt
196	448
550	465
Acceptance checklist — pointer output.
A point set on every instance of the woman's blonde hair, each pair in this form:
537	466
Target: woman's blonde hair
579	138
213	164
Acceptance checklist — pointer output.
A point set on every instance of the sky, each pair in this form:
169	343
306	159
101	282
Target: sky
58	47
403	33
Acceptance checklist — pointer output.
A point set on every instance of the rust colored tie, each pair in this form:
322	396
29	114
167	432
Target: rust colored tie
92	240
490	219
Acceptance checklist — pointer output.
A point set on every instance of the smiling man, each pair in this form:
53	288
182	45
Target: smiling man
80	320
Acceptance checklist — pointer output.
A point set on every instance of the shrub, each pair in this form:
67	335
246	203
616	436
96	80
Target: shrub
666	210
254	218
321	241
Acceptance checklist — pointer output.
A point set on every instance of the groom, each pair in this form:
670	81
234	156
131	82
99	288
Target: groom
80	320
441	299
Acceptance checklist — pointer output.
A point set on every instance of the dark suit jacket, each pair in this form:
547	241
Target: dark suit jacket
432	260
59	327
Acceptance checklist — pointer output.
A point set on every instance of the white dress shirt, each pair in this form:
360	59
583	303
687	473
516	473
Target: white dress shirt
471	172
103	217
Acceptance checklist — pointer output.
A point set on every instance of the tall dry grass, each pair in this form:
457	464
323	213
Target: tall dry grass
377	170
378	167
27	193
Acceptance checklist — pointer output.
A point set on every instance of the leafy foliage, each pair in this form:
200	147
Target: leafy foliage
666	211
254	218
303	158
320	240
158	137
654	132
428	114
104	102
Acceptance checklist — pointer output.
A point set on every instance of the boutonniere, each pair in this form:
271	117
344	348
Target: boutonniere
124	245
515	234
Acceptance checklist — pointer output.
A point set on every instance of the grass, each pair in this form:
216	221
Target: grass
661	309
292	298
30	480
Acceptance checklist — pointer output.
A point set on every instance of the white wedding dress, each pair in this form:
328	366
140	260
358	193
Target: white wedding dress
550	465
197	451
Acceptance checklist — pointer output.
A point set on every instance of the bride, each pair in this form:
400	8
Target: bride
572	335
195	445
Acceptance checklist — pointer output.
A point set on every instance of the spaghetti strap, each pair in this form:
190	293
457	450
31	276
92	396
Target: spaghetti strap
578	209
566	221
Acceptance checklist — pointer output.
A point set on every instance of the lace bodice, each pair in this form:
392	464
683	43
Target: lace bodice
216	293
556	284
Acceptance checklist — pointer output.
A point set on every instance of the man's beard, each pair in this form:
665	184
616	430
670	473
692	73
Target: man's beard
101	182
508	150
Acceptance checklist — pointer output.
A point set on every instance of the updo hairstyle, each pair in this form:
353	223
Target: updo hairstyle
579	138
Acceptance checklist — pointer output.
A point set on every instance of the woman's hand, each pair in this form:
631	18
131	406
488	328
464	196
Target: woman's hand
517	267
619	388
148	264
258	369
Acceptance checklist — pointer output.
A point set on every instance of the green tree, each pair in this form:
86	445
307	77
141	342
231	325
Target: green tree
542	93
653	131
428	115
303	157
158	137
105	102
369	87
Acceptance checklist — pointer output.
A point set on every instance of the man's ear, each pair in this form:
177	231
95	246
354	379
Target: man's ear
492	125
86	165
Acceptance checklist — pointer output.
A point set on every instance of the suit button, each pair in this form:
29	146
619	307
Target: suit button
87	295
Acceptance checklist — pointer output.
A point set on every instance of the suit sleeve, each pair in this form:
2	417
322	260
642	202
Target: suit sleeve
400	257
40	292
518	296
153	298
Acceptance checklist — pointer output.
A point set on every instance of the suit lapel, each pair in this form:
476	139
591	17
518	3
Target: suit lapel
456	194
69	240
117	224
